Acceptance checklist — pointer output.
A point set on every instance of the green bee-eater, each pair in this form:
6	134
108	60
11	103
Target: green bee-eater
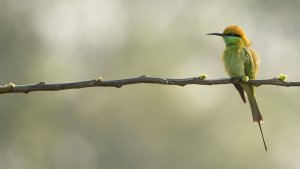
241	61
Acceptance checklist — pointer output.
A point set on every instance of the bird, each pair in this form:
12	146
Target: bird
241	61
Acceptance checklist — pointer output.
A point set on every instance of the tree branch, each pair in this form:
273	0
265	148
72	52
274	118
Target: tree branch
98	82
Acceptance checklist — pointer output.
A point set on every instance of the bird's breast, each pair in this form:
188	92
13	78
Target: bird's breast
234	61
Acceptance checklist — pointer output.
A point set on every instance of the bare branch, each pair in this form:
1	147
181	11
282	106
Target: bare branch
98	82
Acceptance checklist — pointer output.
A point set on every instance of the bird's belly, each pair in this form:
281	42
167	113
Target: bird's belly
234	65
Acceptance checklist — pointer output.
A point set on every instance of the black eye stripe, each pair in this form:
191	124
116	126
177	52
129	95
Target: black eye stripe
233	34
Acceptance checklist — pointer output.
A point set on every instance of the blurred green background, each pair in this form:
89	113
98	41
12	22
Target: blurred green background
144	126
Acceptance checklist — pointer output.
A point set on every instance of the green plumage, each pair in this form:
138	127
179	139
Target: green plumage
241	61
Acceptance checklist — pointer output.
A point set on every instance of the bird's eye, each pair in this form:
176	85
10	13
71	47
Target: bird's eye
233	34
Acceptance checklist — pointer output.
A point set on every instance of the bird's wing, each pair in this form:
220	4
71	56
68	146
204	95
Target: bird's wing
256	61
241	91
249	65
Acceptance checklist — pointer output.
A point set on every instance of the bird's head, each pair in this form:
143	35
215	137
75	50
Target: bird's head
234	35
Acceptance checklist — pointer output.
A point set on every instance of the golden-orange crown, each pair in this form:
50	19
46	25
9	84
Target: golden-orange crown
234	29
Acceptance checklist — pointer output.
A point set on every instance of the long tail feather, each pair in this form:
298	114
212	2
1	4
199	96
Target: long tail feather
257	117
263	138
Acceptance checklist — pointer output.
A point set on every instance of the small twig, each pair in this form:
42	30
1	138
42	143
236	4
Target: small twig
98	82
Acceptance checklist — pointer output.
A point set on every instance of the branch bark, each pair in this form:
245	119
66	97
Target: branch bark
98	82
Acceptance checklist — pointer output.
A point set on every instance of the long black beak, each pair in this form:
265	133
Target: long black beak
217	34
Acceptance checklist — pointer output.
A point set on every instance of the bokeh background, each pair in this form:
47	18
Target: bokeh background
144	126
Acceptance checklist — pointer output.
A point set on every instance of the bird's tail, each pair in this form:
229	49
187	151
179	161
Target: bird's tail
257	117
241	92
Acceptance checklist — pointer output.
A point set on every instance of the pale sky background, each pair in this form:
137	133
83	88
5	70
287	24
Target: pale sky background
144	126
